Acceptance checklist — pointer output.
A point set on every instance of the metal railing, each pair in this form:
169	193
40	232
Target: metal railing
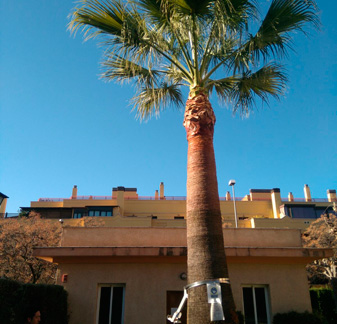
9	215
304	200
172	198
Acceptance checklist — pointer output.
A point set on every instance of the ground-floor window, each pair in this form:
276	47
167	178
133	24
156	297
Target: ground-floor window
256	304
111	304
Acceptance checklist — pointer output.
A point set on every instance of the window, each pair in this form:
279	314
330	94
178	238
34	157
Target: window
305	211
100	211
79	213
256	304
111	304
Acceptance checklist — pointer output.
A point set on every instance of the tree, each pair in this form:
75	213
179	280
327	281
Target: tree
164	45
322	233
18	237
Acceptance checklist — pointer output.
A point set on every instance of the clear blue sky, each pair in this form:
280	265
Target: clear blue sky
60	125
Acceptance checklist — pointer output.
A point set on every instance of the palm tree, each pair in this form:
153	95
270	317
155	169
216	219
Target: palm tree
162	46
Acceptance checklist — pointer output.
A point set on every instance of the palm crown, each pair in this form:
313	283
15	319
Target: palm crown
163	45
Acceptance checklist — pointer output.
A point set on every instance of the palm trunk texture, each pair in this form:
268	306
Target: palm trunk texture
206	254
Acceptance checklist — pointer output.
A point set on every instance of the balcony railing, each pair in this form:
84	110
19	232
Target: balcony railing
304	200
9	215
171	198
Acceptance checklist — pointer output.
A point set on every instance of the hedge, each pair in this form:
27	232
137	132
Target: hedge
297	318
322	301
16	298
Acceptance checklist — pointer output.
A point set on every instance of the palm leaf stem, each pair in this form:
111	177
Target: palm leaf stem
174	61
205	58
195	50
207	76
183	49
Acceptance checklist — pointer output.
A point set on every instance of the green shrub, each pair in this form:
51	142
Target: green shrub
240	317
322	301
16	298
8	293
296	318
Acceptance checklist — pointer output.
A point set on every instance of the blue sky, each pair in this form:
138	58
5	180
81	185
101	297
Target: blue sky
60	125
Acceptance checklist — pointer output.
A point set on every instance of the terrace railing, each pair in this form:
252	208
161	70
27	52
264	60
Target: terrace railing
170	198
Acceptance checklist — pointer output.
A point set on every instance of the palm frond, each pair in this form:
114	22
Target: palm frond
174	75
283	17
97	17
193	7
150	101
268	81
162	45
235	14
120	69
223	87
158	12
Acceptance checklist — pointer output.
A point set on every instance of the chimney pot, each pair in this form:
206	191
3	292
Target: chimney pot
307	194
161	190
74	193
331	195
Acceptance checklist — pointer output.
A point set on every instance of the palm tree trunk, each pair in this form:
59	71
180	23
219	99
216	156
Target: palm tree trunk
206	255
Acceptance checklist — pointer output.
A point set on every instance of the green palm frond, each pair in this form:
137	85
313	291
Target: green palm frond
268	81
158	11
119	69
235	14
283	17
163	45
223	87
193	7
150	101
175	76
98	17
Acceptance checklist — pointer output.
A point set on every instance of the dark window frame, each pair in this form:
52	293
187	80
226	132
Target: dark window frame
254	307
111	309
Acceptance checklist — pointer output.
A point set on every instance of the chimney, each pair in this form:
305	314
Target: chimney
74	194
161	190
228	196
331	195
290	196
156	195
276	201
307	194
3	203
120	199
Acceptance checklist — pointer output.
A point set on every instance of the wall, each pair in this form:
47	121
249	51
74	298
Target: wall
288	284
127	236
147	283
145	292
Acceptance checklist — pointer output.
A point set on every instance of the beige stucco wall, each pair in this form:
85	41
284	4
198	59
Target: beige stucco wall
163	209
246	209
127	236
147	282
287	285
285	222
146	285
145	293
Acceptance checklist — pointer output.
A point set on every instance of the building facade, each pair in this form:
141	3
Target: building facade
138	274
124	207
133	268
